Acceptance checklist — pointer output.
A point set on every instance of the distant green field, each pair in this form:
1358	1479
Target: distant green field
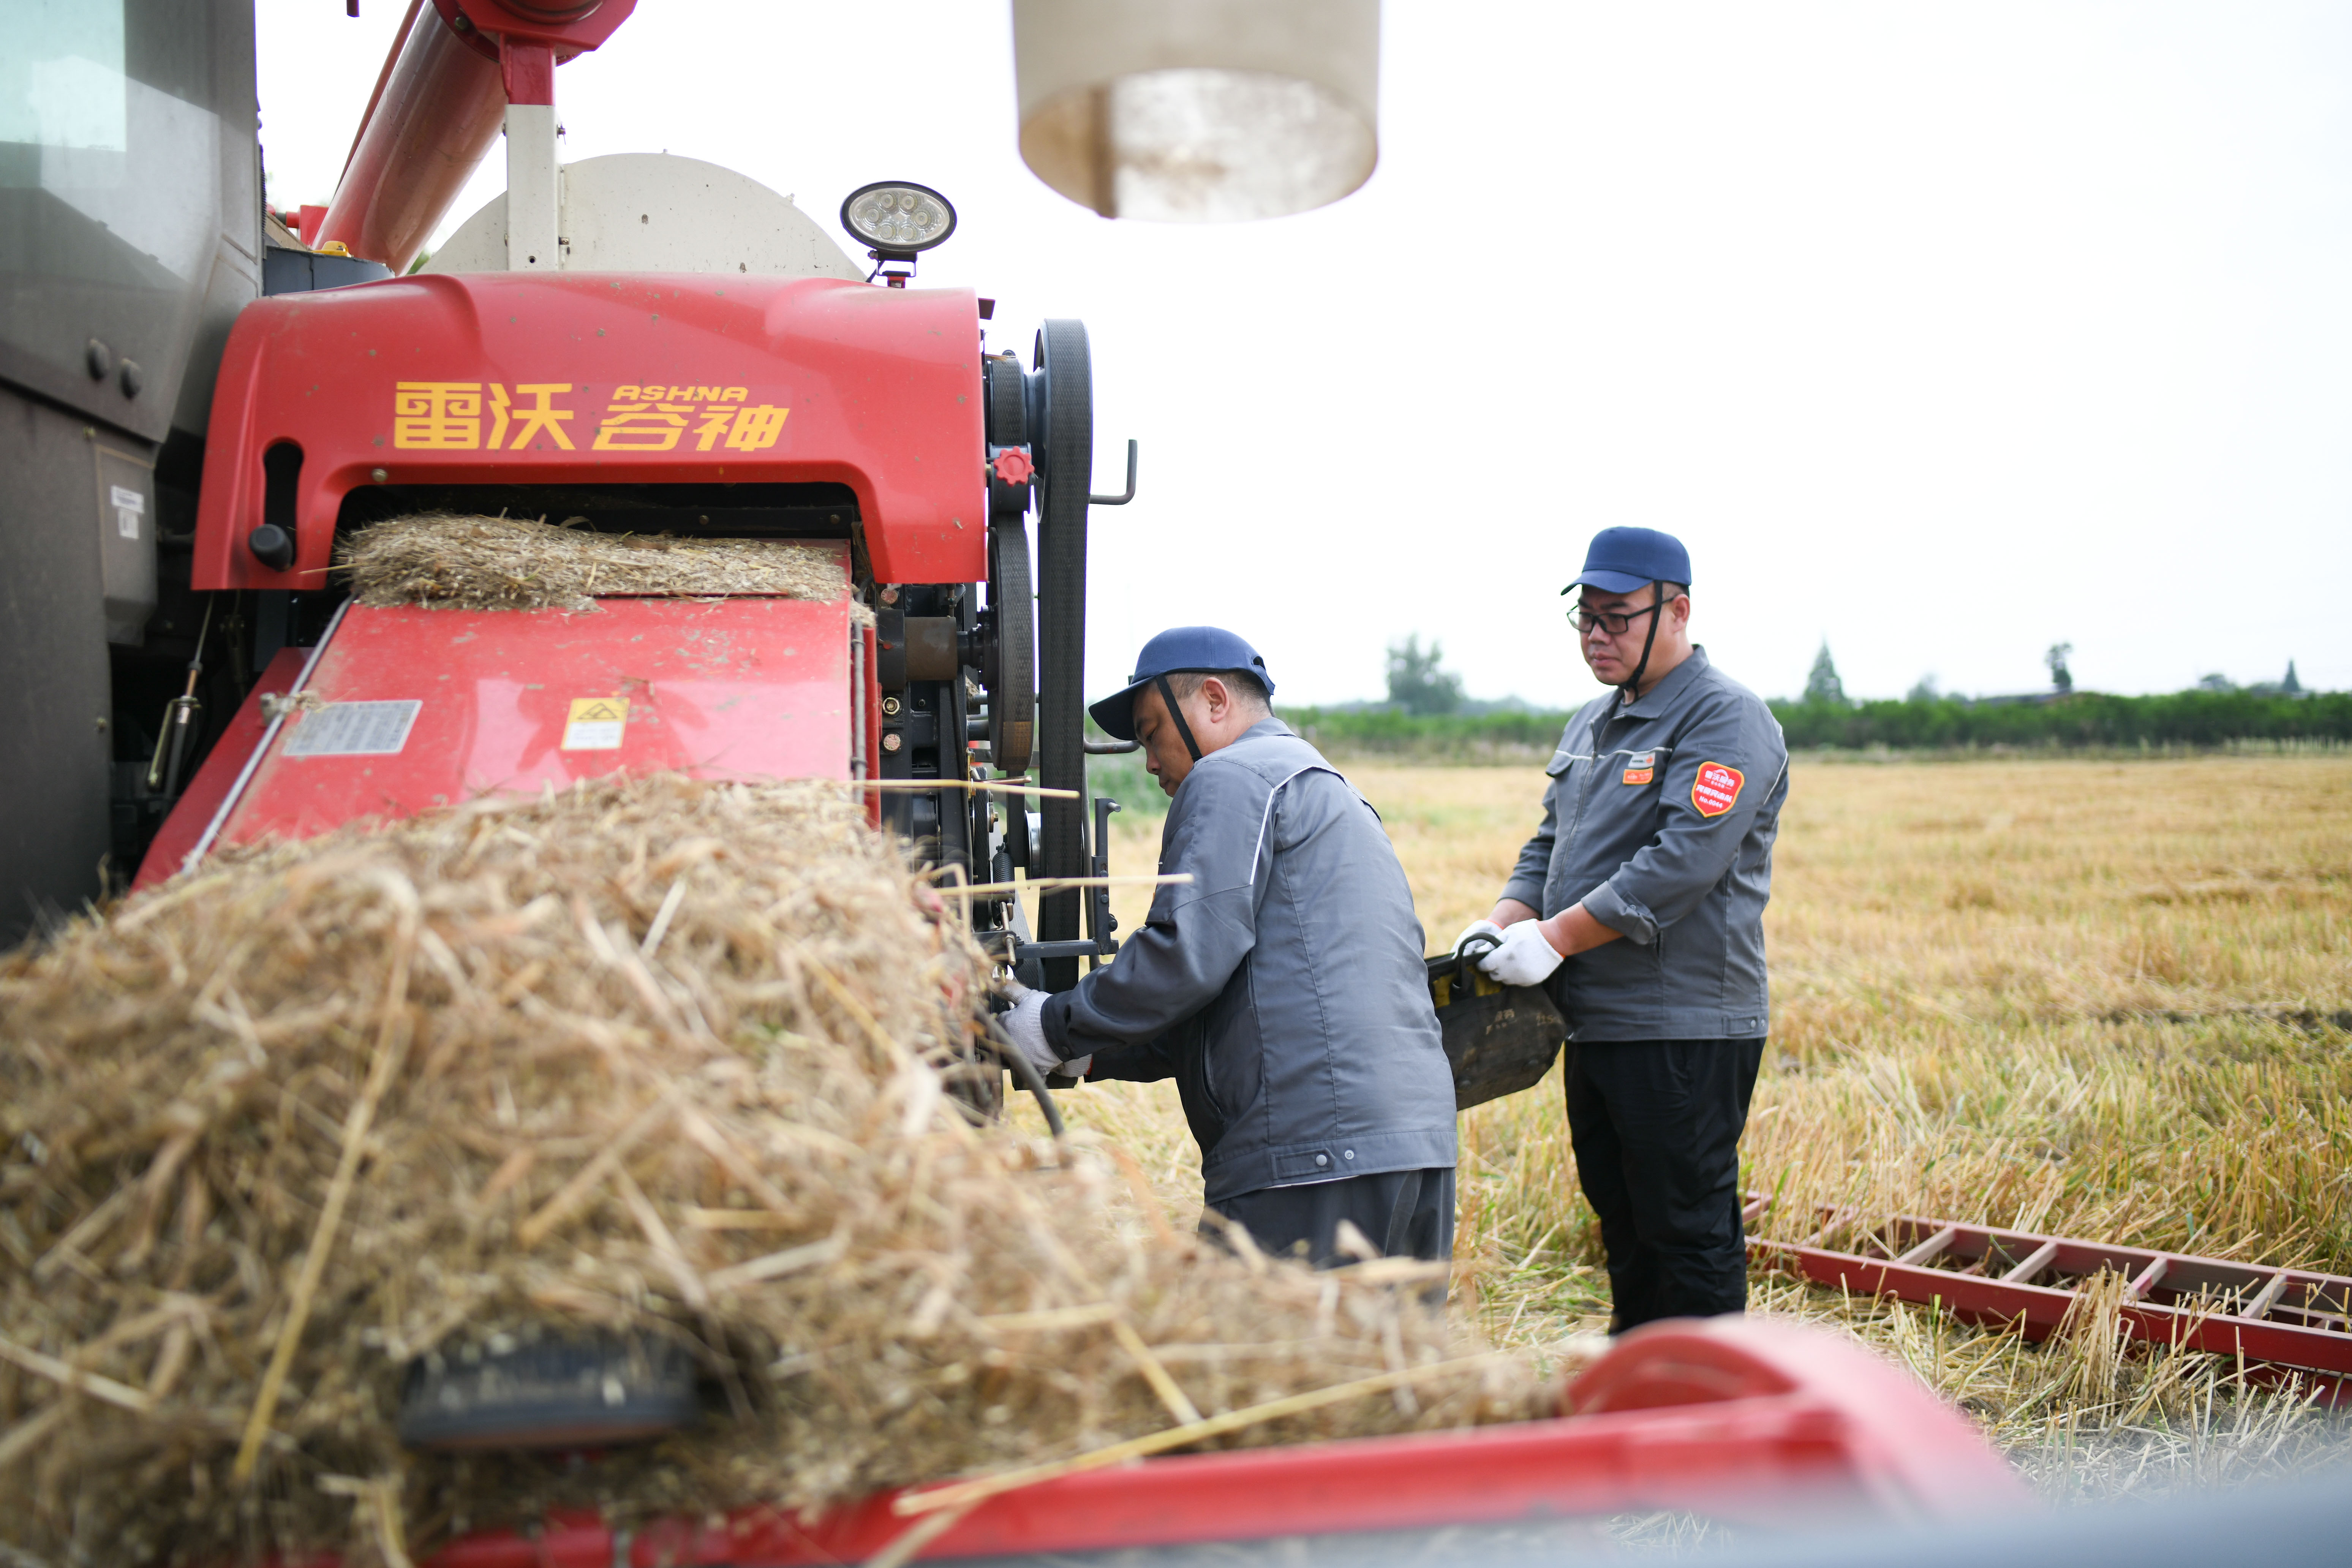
2183	720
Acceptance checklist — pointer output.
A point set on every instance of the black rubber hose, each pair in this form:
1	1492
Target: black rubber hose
1026	1071
1065	429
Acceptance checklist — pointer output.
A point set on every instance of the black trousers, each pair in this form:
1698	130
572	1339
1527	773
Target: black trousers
1405	1214
1655	1125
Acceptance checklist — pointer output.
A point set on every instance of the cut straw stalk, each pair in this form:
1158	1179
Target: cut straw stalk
552	1212
390	1050
776	1265
968	1492
1165	1386
30	1433
72	1376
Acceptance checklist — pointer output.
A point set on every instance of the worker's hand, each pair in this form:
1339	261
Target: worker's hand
1486	929
1025	1025
1523	959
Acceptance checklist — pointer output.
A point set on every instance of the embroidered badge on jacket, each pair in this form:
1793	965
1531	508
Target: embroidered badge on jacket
1717	788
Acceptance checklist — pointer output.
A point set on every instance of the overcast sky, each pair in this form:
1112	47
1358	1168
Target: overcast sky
1944	331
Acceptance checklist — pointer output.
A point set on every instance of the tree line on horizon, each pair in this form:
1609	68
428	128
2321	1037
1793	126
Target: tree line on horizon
1426	714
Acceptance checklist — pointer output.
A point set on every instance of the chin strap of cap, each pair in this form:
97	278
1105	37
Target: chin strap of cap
1632	686
1183	731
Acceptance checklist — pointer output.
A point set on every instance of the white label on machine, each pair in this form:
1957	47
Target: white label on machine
596	724
130	506
354	729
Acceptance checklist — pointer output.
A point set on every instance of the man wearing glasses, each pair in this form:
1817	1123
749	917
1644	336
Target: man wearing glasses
1639	904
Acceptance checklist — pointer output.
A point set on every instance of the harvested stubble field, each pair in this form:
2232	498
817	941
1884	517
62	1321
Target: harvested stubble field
2104	999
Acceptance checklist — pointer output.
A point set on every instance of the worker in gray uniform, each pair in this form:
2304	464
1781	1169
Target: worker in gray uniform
1639	904
1283	988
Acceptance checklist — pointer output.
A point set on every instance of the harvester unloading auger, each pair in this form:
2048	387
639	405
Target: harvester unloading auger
797	495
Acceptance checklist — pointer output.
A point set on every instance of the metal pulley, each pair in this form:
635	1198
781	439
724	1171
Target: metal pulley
1006	654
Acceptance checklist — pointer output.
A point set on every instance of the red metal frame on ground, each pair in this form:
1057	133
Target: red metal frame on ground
1744	1418
2290	1318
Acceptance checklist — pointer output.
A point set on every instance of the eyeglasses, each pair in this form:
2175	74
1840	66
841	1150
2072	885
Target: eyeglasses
1588	621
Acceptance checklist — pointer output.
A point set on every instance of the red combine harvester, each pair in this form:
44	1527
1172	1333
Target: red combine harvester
754	384
751	384
652	345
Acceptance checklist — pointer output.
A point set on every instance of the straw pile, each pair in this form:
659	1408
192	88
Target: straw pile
652	1055
443	560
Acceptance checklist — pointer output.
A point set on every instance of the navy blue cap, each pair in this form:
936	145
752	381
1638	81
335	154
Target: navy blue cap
1620	559
1178	650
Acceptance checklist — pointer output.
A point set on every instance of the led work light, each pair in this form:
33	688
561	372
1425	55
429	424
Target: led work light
898	218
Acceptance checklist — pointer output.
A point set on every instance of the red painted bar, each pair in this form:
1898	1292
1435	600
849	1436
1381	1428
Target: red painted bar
2167	1311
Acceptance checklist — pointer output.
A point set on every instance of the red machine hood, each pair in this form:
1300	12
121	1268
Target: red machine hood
601	378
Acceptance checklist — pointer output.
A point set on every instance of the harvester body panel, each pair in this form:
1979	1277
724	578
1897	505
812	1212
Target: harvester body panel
405	710
578	379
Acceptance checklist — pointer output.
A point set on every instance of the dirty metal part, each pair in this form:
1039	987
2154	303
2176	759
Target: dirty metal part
931	648
587	1390
1500	1039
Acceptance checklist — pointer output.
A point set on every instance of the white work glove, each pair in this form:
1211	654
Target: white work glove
1523	959
1025	1025
1487	928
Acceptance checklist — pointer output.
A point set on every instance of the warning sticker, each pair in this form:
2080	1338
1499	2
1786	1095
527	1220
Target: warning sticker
354	729
1717	788
596	723
130	506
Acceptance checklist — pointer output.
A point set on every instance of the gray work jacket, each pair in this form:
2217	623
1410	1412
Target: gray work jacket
1659	819
1283	988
